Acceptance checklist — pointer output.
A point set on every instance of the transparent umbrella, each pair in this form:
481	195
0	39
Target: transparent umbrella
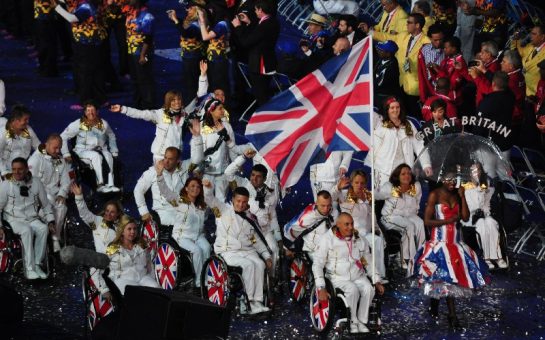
456	152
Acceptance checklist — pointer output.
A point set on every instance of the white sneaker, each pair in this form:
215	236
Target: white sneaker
362	328
102	188
257	307
502	264
40	272
404	265
32	275
56	245
243	308
354	328
384	281
113	189
489	264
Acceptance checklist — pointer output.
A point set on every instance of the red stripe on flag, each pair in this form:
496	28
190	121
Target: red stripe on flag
457	265
261	118
353	138
356	70
288	168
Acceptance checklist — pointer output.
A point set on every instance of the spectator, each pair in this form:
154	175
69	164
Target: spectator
140	26
386	72
465	29
409	44
429	55
444	13
260	41
489	55
423	7
439	124
341	45
453	67
349	7
442	91
193	49
348	28
216	31
498	107
532	54
393	19
319	36
494	26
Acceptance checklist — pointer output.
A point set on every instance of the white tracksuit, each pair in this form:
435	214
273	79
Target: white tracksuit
401	214
13	146
88	140
238	244
174	180
22	214
342	260
360	211
324	176
53	173
188	228
130	267
266	217
486	227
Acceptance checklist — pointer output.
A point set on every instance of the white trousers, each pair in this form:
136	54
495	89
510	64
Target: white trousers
59	211
378	246
34	238
359	294
220	186
145	281
271	241
487	228
95	159
253	271
336	7
412	232
167	216
200	251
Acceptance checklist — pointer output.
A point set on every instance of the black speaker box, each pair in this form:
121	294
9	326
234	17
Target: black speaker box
12	315
153	313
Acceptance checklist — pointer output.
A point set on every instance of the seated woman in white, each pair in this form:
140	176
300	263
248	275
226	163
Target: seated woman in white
130	262
400	212
188	230
95	143
478	194
356	201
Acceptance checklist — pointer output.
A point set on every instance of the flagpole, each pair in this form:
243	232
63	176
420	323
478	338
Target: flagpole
371	153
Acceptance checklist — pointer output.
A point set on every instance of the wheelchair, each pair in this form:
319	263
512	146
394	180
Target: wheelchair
85	174
172	264
11	253
301	277
322	313
96	307
223	285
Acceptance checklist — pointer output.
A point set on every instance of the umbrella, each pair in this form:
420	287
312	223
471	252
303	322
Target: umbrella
456	152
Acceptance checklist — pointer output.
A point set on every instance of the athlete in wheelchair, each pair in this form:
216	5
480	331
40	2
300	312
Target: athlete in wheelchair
347	260
478	194
304	232
95	145
21	198
242	255
188	231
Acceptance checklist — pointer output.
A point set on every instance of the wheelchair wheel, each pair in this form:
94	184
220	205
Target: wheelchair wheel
5	255
149	232
167	262
322	312
215	281
96	307
299	277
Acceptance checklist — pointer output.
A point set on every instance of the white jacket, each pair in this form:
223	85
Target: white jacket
175	181
342	259
88	139
190	219
267	218
386	141
359	209
329	170
54	173
168	131
15	206
13	146
234	233
307	219
408	204
477	198
128	264
218	161
102	234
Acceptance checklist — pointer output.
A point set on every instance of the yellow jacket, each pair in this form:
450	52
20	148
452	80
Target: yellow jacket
407	79
397	24
531	71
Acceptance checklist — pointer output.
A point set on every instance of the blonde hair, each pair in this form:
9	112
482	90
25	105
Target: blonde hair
124	221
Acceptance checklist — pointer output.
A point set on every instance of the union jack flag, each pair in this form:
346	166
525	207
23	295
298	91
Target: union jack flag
216	282
99	307
298	278
320	310
4	256
166	266
329	109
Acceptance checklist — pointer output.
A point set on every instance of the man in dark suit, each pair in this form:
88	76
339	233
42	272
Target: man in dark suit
260	42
